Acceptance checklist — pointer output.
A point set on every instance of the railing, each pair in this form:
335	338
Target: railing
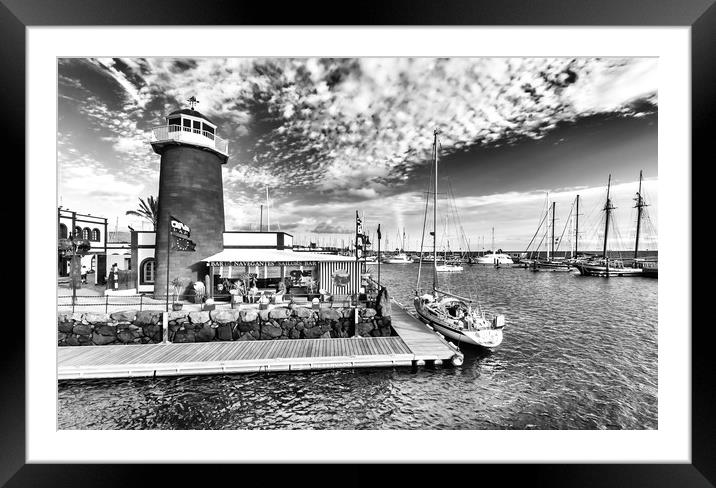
190	135
115	303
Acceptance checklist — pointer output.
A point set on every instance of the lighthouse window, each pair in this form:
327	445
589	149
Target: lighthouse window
197	127
147	271
174	124
187	124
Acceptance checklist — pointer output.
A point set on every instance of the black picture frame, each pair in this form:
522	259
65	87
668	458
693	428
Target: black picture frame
700	15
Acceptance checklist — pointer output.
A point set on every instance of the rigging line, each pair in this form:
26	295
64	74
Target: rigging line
536	232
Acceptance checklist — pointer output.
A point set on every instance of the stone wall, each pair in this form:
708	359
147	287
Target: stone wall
219	325
97	329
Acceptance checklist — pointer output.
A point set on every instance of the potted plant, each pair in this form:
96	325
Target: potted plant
178	285
311	288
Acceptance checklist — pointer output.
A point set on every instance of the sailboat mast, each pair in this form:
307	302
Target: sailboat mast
639	206
576	229
268	212
553	205
435	211
607	208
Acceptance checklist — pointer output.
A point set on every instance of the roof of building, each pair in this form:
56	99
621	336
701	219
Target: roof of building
192	112
244	256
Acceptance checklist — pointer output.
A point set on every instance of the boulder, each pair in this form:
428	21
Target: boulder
248	315
106	329
363	329
369	312
61	336
85	340
65	327
97	318
199	317
101	340
279	313
144	317
269	331
264	315
347	313
326	335
124	315
77	317
72	341
206	334
312	333
385	331
184	336
302	312
225	316
177	315
330	314
82	329
224	332
246	337
294	334
125	336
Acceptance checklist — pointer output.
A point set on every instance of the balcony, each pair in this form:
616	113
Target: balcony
187	135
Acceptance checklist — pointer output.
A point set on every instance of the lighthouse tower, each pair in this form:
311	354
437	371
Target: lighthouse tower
190	190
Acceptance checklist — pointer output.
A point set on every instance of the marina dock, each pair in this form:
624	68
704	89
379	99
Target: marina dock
414	345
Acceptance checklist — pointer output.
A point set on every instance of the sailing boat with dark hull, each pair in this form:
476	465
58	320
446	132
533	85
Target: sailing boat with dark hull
457	317
606	266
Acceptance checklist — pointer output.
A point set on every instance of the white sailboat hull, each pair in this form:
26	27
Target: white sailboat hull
495	259
488	338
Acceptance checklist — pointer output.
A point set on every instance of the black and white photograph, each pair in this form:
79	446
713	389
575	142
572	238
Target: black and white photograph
357	243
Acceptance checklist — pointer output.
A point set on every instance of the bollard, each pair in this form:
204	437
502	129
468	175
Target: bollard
165	328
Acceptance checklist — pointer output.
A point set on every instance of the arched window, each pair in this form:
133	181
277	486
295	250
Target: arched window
63	231
78	231
86	233
95	235
147	271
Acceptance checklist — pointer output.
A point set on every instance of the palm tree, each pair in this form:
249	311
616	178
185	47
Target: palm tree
148	209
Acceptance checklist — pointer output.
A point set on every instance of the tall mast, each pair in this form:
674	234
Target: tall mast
608	209
553	204
493	240
576	229
639	206
435	210
268	212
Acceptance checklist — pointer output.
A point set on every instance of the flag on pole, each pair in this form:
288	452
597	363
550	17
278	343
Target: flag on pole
180	243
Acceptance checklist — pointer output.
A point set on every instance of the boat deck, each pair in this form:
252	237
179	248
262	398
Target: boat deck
414	343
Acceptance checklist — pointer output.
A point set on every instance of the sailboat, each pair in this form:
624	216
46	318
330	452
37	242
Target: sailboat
494	257
399	257
605	266
552	263
457	317
449	266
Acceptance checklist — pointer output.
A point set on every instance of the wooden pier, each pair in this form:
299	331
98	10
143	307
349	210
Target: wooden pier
414	345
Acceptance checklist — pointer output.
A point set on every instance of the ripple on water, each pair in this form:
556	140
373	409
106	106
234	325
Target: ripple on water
578	353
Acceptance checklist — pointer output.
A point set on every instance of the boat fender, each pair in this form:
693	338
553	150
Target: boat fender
498	321
456	360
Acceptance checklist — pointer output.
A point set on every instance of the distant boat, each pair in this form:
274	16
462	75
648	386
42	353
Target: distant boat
457	317
552	263
495	258
399	258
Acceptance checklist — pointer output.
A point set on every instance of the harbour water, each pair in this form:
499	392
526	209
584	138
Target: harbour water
578	353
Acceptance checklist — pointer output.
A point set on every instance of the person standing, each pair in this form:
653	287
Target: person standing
83	275
114	277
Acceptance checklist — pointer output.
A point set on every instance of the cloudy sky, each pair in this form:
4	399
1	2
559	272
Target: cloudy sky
332	136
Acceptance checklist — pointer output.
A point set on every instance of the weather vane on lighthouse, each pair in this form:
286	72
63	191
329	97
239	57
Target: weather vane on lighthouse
192	101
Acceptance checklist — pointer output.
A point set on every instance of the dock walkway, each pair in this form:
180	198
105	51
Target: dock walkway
414	344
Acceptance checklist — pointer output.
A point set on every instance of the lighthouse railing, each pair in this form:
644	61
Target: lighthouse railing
189	135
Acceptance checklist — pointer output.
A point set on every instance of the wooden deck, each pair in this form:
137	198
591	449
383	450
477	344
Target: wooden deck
415	344
423	342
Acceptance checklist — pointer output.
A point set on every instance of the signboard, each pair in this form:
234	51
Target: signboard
179	227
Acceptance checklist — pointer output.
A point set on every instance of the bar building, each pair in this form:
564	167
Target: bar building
191	190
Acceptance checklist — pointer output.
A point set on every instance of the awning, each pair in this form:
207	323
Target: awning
271	257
